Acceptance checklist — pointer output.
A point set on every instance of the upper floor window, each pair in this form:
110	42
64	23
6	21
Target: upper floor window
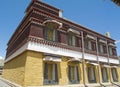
112	51
74	38
90	44
51	29
71	39
50	34
102	48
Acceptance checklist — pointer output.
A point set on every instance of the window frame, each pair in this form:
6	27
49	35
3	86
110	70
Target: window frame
89	75
53	79
106	72
76	74
115	78
101	47
90	44
110	51
54	33
72	39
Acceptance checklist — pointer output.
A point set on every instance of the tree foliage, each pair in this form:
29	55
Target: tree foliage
116	2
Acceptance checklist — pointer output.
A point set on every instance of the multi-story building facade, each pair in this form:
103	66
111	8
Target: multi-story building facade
47	49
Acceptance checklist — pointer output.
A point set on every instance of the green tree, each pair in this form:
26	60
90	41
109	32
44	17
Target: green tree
116	2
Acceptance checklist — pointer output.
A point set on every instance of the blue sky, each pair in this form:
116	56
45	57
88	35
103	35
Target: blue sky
99	15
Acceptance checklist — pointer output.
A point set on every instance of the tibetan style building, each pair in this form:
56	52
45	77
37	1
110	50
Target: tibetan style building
48	50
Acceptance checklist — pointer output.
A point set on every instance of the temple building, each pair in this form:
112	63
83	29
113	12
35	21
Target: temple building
48	50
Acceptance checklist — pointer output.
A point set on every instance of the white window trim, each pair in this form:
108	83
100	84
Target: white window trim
90	36
73	31
50	58
102	41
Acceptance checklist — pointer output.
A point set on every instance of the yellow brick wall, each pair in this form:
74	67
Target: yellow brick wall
86	72
118	72
81	73
97	74
100	73
27	70
109	75
63	71
14	69
34	69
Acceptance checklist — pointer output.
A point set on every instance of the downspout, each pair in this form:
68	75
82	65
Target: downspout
98	61
83	59
109	63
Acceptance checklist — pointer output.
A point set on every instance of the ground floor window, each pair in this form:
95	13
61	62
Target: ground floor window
91	74
73	74
104	74
50	73
114	74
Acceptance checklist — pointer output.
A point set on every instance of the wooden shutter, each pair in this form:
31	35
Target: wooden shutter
62	37
78	42
59	36
78	79
104	48
45	71
56	35
69	73
45	33
68	40
93	46
56	73
114	52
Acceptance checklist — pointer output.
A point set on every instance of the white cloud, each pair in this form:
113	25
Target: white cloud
1	57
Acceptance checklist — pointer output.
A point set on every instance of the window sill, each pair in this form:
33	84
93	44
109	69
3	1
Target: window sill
106	83
93	84
50	82
71	85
